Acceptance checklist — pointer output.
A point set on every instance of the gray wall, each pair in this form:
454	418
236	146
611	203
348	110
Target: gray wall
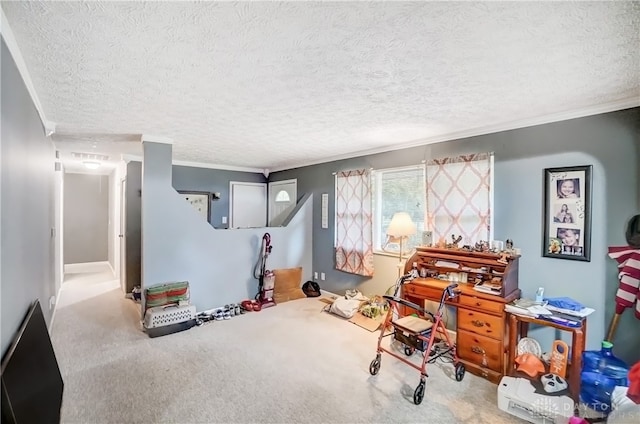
178	245
609	142
27	212
86	218
212	180
183	178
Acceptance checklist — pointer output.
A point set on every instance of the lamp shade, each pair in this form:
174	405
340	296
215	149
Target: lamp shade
401	225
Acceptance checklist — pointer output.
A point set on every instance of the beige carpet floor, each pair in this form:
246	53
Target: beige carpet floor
288	364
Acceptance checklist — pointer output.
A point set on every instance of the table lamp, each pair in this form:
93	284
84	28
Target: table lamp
401	227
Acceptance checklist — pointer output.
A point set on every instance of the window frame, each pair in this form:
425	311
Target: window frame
376	180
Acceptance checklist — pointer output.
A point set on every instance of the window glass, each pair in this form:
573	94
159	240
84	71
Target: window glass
398	190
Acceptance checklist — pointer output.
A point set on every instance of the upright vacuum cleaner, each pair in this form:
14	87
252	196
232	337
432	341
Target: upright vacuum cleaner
266	278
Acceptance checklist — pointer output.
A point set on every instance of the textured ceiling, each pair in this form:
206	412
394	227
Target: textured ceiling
276	85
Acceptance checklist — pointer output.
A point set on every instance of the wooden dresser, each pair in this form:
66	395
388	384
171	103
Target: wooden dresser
482	328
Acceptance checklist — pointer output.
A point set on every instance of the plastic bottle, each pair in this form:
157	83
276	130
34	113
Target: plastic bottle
601	373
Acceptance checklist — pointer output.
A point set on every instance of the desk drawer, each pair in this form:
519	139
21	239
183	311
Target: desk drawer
421	291
481	323
484	351
484	304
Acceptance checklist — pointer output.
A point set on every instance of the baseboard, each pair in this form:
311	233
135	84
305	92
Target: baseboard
84	265
329	294
55	308
113	271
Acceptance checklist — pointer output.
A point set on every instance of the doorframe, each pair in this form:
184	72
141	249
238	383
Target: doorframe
234	183
122	234
289	181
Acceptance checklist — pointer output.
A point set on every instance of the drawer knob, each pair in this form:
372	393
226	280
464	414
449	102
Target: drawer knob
478	350
478	303
477	323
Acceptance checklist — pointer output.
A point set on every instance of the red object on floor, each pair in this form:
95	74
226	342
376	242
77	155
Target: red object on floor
633	392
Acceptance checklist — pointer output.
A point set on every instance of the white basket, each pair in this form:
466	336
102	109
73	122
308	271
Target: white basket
161	316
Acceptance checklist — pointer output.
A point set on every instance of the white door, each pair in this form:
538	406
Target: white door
247	205
282	200
122	235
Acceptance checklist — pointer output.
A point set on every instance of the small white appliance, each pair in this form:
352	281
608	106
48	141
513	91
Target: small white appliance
517	396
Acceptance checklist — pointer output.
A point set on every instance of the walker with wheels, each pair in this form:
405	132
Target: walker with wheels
417	331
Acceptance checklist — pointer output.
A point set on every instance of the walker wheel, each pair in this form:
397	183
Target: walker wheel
408	350
374	367
418	395
460	372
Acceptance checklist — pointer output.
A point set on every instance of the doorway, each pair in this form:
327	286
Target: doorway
247	205
122	235
282	200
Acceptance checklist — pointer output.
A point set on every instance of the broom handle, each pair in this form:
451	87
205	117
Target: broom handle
613	325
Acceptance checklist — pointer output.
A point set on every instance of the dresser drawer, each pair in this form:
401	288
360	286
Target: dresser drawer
484	351
484	304
481	323
421	291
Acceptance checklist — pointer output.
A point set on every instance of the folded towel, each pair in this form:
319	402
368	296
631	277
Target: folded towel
565	303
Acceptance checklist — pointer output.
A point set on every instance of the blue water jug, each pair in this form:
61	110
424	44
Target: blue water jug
601	373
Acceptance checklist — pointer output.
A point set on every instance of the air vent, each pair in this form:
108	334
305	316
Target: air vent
89	156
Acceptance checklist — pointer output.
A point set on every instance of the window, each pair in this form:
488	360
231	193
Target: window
447	196
398	190
283	196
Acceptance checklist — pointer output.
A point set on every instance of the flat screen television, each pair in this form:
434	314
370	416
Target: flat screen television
32	385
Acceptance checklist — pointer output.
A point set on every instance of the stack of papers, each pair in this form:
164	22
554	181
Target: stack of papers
580	314
527	307
488	288
530	308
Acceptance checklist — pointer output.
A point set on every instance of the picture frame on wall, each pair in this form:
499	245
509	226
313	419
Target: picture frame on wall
567	213
201	202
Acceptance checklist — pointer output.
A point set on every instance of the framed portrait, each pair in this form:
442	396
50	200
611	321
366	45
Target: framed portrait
201	202
567	213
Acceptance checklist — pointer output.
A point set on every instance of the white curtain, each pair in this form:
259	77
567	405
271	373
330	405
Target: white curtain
354	227
459	198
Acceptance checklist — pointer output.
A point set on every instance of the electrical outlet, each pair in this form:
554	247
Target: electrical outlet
322	276
52	302
315	275
224	219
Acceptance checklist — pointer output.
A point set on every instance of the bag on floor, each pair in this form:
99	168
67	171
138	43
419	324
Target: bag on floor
344	307
311	289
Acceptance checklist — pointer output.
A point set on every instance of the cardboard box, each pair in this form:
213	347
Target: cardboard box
371	324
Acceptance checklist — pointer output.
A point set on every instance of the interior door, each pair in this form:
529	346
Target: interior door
247	205
122	235
282	200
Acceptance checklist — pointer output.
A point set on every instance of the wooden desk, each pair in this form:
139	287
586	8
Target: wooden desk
481	331
519	327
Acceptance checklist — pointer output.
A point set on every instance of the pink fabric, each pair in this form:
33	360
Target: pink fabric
458	197
354	223
628	293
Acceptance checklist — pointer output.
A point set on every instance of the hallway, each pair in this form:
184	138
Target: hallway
86	280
